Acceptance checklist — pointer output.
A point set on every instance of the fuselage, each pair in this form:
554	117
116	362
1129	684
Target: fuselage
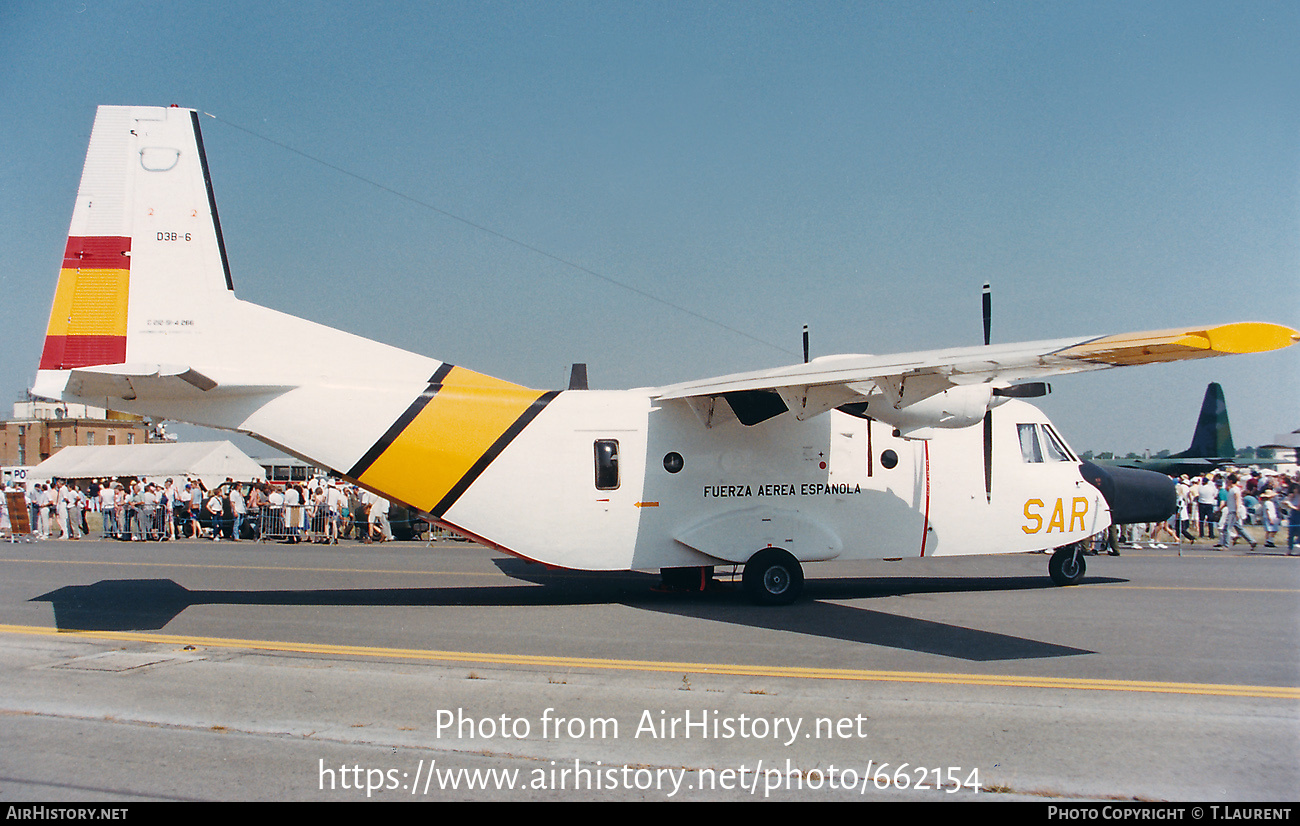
608	480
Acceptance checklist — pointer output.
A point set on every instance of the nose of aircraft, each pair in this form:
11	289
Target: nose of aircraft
1133	495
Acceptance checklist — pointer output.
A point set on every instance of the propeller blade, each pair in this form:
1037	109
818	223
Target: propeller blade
988	312
988	416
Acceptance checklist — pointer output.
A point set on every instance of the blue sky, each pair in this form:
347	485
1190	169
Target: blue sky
859	167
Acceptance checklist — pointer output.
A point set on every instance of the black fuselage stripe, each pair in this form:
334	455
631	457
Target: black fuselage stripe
493	452
377	449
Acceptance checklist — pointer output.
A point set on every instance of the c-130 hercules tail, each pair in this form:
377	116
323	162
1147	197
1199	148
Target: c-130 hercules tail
845	457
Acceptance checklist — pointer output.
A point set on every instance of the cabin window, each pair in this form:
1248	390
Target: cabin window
1029	443
606	464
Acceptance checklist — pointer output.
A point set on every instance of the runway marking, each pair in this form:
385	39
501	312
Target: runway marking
1003	680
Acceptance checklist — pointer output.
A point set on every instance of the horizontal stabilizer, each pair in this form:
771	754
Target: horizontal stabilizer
157	382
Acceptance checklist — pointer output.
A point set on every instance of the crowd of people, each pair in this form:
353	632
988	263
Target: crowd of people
141	510
1218	506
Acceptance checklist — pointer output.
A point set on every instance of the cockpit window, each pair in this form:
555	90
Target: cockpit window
1056	449
1039	443
1029	443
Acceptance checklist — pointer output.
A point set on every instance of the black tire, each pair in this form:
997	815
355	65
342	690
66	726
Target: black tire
773	577
1066	566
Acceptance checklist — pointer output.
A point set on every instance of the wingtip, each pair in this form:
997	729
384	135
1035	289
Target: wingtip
1250	337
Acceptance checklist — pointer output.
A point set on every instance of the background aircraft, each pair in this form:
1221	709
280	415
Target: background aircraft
1211	443
1211	446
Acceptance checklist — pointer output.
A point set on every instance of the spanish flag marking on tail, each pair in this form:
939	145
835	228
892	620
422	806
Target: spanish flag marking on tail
88	319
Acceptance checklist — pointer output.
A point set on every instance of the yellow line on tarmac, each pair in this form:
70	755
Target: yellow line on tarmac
1080	684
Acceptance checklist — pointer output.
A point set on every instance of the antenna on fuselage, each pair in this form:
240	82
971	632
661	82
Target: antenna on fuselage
578	376
805	344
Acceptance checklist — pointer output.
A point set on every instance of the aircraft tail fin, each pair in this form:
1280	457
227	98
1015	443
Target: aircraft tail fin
145	321
144	267
1212	437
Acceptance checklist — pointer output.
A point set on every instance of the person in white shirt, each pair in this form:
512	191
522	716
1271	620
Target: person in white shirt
1207	497
73	505
61	508
215	507
169	497
379	518
334	501
43	501
1234	516
238	510
106	508
293	512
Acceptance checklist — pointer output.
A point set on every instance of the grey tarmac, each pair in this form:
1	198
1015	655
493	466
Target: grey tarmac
246	671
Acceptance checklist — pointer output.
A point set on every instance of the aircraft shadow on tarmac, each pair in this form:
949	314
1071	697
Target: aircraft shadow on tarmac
150	604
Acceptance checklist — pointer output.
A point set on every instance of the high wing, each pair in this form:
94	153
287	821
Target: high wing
952	387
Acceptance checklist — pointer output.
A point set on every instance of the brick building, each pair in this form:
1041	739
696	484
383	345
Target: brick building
38	430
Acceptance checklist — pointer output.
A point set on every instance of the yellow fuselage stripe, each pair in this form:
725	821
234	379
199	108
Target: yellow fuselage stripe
455	429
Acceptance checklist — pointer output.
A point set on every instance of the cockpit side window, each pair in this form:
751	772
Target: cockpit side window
1056	449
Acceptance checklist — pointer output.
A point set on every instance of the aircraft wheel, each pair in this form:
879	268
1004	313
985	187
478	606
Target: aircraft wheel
773	577
1066	566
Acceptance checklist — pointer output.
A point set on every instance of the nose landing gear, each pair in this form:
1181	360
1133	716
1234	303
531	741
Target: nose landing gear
1066	567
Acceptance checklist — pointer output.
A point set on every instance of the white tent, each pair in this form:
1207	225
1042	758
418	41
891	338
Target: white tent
212	462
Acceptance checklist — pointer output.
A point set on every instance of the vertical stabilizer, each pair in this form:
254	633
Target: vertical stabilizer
144	267
1213	436
145	321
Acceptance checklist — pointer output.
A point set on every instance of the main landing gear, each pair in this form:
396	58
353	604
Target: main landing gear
1066	566
773	577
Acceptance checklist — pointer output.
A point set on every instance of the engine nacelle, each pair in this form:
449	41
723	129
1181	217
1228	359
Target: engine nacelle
955	407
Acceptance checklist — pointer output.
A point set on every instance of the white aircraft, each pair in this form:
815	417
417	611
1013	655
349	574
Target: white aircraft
845	457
